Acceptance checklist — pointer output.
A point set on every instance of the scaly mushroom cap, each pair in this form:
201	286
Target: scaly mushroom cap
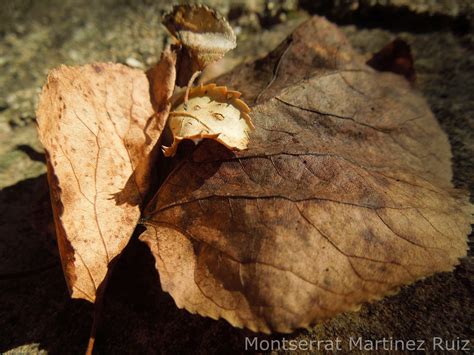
212	112
202	31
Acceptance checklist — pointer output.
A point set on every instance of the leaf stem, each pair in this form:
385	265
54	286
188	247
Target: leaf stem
188	88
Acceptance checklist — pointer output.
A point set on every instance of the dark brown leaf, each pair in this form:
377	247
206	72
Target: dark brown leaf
343	196
395	57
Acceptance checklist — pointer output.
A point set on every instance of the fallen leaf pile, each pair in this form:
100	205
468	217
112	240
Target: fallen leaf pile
343	195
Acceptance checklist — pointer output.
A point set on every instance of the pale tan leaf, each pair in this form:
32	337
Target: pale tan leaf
205	34
343	196
99	130
211	112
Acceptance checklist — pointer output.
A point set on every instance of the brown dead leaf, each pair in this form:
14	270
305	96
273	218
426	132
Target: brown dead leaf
99	129
395	57
205	34
343	196
212	112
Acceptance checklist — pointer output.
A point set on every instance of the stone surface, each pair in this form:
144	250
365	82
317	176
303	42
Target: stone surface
36	312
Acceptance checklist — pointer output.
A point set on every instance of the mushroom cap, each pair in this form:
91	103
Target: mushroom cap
202	31
212	112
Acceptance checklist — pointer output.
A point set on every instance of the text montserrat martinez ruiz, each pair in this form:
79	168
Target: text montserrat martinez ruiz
359	343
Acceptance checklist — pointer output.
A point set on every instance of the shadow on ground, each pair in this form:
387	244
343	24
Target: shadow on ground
35	306
139	317
34	301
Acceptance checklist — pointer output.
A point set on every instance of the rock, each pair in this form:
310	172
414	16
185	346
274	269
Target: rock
134	63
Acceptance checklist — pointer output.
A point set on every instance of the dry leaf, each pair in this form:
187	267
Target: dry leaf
99	130
205	34
212	112
395	57
162	77
343	197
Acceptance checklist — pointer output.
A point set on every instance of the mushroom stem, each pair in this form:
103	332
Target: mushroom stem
188	88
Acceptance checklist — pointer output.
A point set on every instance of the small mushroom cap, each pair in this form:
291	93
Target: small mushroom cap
212	112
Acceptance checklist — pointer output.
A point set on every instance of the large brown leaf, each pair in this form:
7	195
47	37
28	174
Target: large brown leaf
343	196
99	130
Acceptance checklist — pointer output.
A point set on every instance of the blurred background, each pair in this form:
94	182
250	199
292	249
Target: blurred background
36	314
